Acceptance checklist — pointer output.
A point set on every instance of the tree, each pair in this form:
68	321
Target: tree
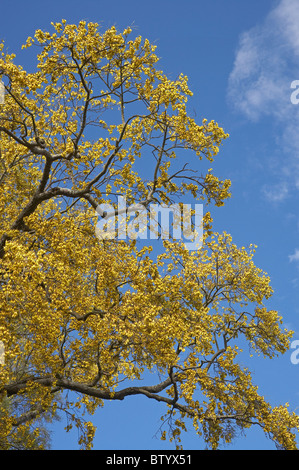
81	317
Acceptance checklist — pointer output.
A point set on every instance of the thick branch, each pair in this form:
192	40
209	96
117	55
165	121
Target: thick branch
66	384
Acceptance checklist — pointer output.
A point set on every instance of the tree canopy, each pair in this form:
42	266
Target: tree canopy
82	318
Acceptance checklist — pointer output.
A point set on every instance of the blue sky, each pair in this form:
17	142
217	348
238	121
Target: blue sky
241	59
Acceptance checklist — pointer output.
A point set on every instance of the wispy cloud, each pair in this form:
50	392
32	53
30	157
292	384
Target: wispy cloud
266	64
276	193
295	256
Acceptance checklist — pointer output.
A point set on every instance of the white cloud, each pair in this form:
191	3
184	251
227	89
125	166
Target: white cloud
266	64
287	16
256	81
295	256
276	193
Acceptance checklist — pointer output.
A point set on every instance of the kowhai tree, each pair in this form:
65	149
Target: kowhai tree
82	319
